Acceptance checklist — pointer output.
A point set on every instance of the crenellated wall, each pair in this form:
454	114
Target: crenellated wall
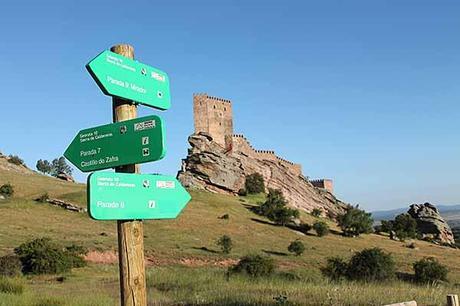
242	145
324	184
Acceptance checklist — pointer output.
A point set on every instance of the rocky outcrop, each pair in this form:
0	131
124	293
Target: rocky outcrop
430	224
210	167
65	177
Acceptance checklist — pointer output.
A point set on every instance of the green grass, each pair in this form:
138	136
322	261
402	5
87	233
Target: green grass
189	266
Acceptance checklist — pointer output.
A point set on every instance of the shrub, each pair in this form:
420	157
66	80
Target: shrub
225	243
43	198
296	247
255	265
371	265
386	226
321	228
242	192
355	222
225	217
7	190
304	227
42	256
336	268
429	270
14	159
10	286
274	208
316	212
10	265
254	183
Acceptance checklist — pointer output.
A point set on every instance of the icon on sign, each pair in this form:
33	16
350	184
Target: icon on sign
146	183
143	71
145	152
159	94
152	204
145	141
123	129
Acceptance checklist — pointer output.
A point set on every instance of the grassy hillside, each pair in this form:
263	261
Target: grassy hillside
185	248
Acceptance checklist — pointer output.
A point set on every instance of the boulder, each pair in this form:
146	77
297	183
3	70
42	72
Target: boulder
430	223
210	167
65	177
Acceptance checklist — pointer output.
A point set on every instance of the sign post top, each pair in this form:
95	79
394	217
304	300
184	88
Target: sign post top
123	77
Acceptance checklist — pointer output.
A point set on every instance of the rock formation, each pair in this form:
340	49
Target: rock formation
430	223
209	166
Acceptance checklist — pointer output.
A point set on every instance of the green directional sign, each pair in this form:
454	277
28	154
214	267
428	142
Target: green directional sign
123	77
128	196
133	141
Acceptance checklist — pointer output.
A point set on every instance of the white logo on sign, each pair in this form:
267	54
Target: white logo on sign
145	152
158	76
152	204
166	184
145	141
145	125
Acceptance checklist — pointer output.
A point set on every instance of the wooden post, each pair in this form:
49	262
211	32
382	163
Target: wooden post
452	300
130	232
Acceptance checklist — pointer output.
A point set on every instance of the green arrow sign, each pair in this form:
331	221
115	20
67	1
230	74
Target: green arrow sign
133	141
123	77
125	196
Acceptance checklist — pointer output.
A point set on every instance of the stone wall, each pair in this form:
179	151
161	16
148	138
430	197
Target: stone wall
323	184
242	145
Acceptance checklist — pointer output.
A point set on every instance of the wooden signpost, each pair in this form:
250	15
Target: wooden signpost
127	196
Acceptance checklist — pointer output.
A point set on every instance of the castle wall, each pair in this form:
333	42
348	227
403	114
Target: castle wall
324	184
214	116
242	145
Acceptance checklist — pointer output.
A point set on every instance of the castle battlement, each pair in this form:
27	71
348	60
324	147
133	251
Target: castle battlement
323	184
213	115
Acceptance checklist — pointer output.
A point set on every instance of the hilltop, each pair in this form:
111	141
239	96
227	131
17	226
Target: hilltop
188	241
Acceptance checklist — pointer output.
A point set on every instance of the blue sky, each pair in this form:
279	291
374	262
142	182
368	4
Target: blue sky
363	92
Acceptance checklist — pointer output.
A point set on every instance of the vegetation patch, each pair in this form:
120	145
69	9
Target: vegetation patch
254	266
355	222
11	286
7	190
254	183
429	270
275	208
10	265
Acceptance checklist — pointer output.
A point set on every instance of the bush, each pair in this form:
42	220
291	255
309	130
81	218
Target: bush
242	192
10	286
429	270
254	183
14	159
42	256
274	208
43	198
355	222
316	212
336	268
225	243
371	265
10	265
296	247
225	217
321	228
304	228
254	265
7	190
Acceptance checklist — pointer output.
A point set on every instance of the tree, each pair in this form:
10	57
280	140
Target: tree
355	222
274	208
59	165
254	183
321	228
405	226
44	166
225	243
296	247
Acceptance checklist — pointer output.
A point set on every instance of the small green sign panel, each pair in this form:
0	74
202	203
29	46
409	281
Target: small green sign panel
130	196
135	141
123	77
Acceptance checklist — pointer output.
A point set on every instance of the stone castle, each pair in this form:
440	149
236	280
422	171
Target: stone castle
213	116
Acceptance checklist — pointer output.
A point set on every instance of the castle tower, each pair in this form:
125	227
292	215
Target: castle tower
214	116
